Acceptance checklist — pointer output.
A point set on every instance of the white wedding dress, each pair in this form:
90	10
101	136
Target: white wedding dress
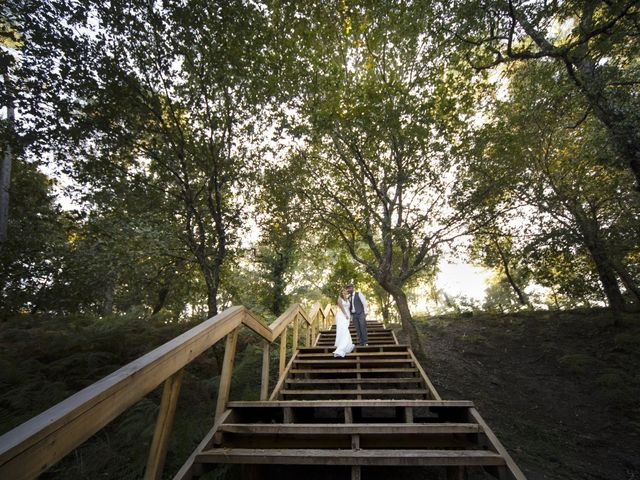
343	343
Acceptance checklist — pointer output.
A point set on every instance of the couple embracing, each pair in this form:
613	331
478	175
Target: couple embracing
352	306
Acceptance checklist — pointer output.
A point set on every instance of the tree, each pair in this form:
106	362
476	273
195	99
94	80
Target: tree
282	230
495	250
36	246
594	41
532	158
382	105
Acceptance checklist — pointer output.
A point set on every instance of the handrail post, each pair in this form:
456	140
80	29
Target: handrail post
283	352
160	442
264	387
294	343
227	370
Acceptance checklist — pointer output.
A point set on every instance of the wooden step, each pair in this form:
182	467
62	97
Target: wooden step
350	429
379	391
386	348
355	354
291	456
351	370
351	403
328	381
352	361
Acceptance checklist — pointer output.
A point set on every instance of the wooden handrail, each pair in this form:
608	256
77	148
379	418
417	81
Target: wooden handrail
33	447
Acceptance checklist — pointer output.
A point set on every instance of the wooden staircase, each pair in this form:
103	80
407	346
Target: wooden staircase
365	415
374	414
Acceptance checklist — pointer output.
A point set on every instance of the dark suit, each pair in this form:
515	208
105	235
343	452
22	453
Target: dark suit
358	317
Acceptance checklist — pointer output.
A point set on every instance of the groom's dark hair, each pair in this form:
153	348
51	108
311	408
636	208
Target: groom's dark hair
349	285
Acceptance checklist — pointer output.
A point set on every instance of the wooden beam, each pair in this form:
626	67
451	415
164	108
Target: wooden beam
354	403
350	428
310	456
266	358
31	448
432	390
282	378
186	471
283	321
283	353
253	322
227	371
160	442
355	472
294	342
514	470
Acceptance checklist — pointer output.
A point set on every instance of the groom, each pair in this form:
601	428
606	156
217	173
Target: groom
359	309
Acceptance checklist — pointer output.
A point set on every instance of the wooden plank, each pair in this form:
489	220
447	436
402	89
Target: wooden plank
283	352
324	381
350	428
264	385
186	471
432	390
356	354
408	415
349	361
356	474
283	321
227	371
166	414
311	456
348	415
294	342
31	448
364	391
253	322
287	415
353	370
355	441
514	470
353	403
388	348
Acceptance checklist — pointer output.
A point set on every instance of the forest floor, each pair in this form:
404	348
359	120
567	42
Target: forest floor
560	389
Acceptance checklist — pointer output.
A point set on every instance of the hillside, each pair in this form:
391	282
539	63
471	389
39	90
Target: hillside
559	389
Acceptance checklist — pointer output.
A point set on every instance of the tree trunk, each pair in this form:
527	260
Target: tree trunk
406	318
5	182
607	276
627	280
505	265
162	298
212	300
384	308
107	304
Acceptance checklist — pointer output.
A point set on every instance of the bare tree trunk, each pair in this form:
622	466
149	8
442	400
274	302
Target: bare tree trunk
5	181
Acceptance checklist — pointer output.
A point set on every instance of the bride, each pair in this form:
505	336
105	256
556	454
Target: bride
343	343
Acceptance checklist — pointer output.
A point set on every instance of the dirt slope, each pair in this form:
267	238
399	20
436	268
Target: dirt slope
561	390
